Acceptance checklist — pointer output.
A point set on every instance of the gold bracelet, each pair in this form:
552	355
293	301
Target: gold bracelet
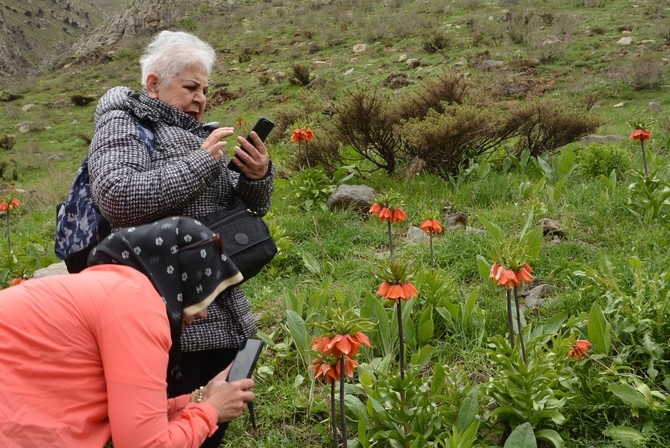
196	395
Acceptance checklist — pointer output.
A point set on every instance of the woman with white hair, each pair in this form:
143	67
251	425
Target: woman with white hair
182	171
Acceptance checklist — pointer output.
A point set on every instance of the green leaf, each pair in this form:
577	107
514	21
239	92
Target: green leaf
550	436
629	395
598	330
297	328
426	325
311	263
423	357
438	380
624	434
467	413
484	267
522	437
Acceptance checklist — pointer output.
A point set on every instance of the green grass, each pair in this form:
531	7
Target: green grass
341	250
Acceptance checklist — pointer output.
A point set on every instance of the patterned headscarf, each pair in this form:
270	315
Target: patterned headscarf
184	260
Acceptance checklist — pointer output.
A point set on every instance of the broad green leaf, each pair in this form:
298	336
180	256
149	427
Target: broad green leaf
629	395
467	413
598	330
423	357
426	326
624	434
522	437
550	436
296	326
311	263
484	267
438	380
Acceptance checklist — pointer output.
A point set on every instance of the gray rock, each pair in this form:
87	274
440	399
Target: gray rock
416	235
358	197
52	269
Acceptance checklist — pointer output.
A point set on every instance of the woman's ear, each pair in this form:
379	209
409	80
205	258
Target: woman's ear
152	85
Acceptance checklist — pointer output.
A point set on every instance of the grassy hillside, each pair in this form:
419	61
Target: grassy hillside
610	250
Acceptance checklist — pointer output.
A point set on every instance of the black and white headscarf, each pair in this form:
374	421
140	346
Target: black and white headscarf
184	260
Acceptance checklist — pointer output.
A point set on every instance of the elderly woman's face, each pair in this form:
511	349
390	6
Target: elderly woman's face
185	92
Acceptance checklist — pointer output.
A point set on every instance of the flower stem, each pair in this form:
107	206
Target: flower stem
510	319
432	255
307	154
644	159
401	339
9	247
333	415
518	323
343	414
390	239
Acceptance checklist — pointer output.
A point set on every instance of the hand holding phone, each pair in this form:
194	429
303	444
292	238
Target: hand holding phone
262	127
245	360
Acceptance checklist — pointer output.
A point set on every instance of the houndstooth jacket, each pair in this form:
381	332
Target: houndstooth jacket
130	186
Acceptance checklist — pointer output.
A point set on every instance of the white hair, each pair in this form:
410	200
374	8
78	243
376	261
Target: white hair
171	52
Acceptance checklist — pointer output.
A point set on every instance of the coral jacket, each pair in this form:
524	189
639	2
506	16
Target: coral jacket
83	357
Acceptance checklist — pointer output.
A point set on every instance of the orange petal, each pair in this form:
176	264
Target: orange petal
398	215
409	291
385	214
384	289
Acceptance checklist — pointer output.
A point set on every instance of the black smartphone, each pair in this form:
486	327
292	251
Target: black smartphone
262	127
245	360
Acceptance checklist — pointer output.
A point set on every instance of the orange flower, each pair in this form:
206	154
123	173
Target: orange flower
320	343
579	349
309	134
349	365
431	226
640	134
375	209
324	370
395	291
4	206
346	344
502	276
16	281
332	372
385	214
15	203
239	123
299	136
524	274
12	187
398	215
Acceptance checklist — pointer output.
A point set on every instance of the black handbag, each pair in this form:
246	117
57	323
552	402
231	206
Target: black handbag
245	236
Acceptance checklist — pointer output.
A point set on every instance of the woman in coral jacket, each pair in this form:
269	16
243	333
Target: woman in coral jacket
83	357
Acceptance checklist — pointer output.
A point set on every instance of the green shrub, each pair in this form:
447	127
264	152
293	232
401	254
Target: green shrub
600	160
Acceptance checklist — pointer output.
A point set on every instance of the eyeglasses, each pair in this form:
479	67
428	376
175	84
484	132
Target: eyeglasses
216	237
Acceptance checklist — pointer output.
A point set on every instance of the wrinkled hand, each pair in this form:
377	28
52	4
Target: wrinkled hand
252	158
229	399
214	143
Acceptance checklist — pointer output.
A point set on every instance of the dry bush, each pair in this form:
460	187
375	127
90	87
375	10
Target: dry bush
444	141
547	124
434	42
644	73
302	75
365	120
448	88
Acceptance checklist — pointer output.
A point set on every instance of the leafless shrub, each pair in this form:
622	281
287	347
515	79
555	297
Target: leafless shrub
81	100
365	121
432	43
445	140
7	142
547	124
449	87
643	73
302	75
